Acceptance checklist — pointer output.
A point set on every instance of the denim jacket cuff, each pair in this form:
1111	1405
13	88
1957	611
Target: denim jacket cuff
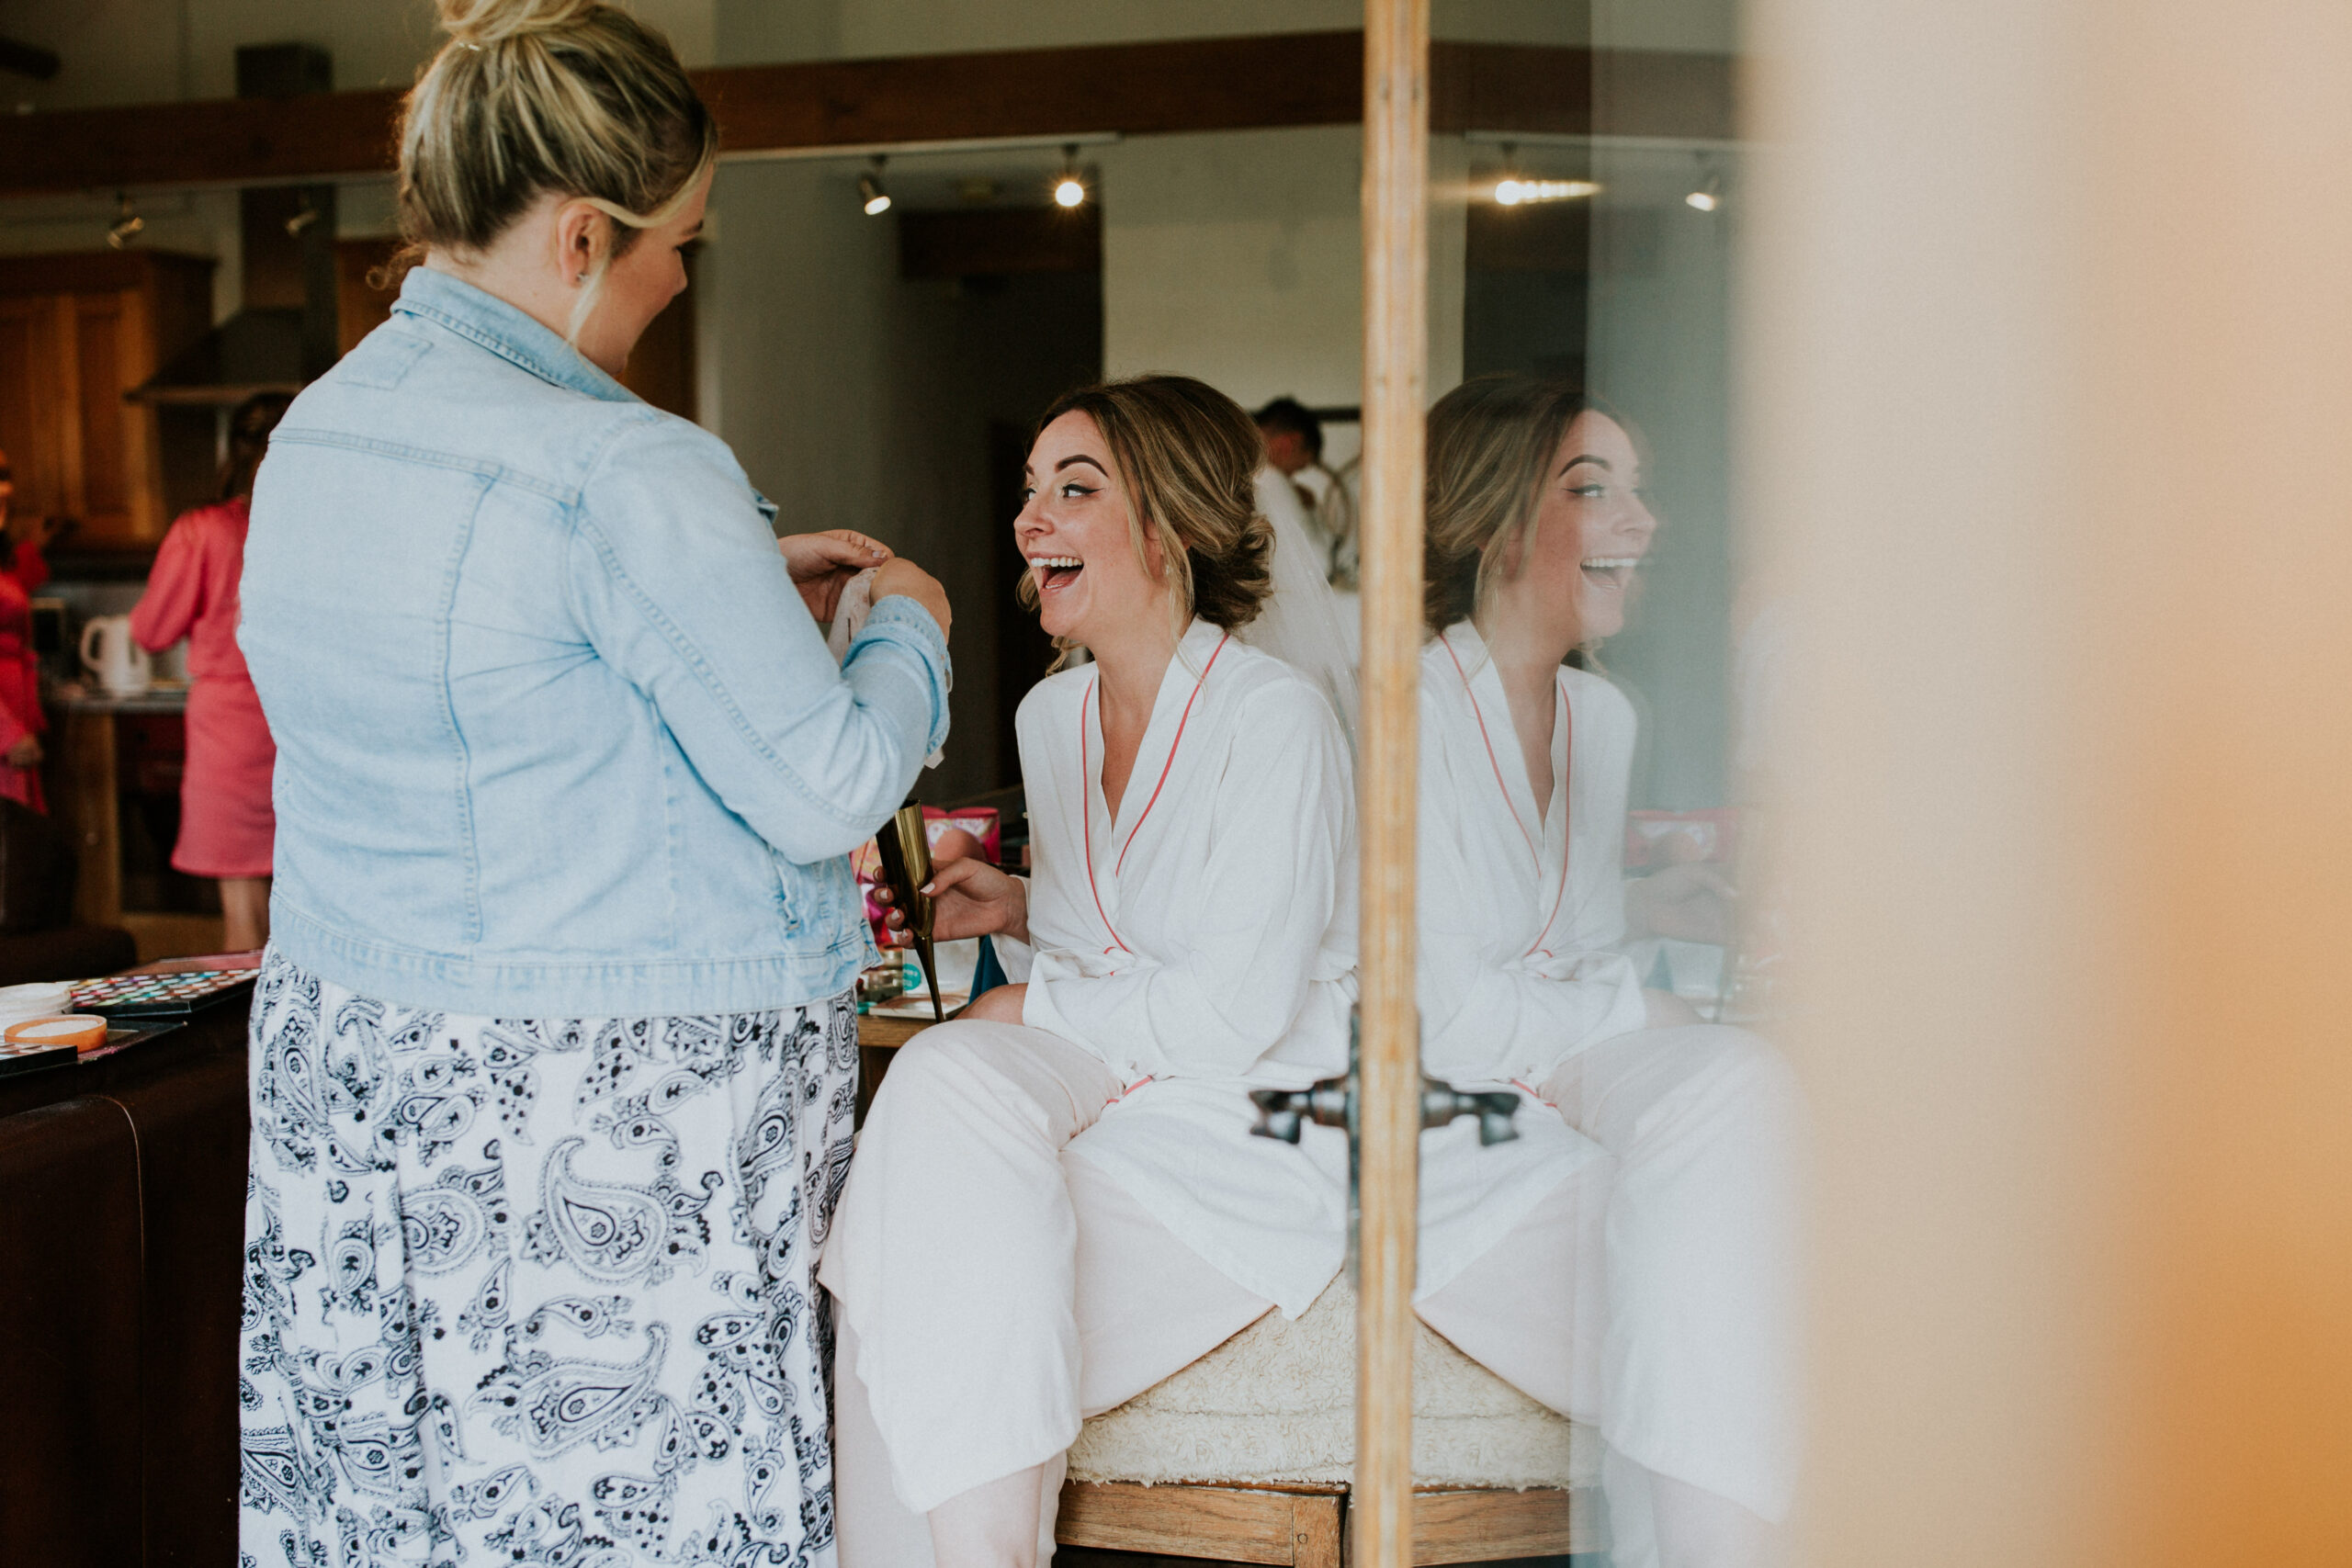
902	620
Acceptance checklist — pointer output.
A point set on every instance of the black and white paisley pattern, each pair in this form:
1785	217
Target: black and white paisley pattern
538	1290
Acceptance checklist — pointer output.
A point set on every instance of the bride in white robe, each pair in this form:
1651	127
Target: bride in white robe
1056	1201
1629	1261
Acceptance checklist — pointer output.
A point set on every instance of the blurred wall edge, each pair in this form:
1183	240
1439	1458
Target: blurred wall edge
2047	392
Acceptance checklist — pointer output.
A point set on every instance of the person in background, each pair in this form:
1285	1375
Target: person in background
20	717
226	824
553	1054
1295	450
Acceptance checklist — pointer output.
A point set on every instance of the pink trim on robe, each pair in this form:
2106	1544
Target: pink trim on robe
227	824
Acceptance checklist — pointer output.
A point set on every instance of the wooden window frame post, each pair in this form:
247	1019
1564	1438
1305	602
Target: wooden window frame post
1395	342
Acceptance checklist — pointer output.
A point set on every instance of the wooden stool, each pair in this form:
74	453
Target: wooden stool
1245	1456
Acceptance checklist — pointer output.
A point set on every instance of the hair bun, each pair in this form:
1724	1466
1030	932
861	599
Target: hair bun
480	23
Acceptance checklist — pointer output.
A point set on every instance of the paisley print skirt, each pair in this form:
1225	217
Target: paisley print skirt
539	1291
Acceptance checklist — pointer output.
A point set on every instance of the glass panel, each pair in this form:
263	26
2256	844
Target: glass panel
1181	806
1610	1282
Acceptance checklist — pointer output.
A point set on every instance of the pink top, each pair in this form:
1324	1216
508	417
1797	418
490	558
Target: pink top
227	828
192	592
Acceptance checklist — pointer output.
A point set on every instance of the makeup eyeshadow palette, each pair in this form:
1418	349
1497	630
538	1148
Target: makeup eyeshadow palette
160	995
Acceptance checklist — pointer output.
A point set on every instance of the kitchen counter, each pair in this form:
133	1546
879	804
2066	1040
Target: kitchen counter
162	698
86	799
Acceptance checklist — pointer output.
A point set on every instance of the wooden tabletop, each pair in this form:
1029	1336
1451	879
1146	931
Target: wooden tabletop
887	1033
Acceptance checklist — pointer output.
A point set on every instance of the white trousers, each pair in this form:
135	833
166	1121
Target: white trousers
1653	1295
994	1294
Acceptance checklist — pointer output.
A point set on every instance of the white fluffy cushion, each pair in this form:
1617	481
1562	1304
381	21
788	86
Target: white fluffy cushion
1277	1402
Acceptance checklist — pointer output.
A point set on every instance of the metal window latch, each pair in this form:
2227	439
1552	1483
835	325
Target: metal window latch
1331	1102
1442	1102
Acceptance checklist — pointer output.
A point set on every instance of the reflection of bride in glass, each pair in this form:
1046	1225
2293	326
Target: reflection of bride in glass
1626	1262
1056	1201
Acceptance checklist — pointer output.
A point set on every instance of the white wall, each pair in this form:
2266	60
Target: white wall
1235	256
1658	338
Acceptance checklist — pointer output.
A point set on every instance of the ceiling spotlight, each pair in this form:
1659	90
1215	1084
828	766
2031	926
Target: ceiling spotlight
1070	187
870	194
126	223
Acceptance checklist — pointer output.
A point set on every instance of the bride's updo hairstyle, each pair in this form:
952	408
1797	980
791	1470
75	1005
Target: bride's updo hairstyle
1188	458
1491	445
530	96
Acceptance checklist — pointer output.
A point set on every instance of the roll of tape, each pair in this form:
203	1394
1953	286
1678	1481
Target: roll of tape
78	1029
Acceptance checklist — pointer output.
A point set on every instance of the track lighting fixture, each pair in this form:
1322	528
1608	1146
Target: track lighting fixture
1513	189
1069	185
127	222
870	194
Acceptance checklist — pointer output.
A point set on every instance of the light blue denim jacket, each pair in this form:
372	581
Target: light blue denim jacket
556	735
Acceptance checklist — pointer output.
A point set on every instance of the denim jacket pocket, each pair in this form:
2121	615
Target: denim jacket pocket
814	900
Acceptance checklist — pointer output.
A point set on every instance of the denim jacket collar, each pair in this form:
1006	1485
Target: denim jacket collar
506	331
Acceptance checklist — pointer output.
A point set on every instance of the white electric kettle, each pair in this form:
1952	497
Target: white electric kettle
114	656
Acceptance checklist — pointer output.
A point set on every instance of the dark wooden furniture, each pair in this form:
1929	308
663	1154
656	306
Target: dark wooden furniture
89	798
121	1244
40	937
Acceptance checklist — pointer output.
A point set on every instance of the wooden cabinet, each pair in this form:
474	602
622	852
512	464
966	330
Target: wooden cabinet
77	332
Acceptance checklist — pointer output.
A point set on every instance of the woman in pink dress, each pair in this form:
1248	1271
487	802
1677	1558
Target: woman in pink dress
226	822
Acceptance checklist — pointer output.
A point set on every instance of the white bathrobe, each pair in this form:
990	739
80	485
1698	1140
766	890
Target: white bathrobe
1629	1260
1201	944
1520	915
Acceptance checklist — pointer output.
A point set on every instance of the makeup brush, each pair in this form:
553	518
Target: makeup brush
906	865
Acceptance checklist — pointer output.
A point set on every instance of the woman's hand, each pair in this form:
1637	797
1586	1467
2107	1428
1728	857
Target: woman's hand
971	898
25	753
1689	903
903	576
822	564
1001	1005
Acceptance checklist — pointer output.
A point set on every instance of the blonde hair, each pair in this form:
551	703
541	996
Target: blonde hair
1188	457
528	97
1491	445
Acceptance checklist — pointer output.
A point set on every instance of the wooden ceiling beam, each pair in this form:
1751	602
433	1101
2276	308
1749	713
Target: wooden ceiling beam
1130	89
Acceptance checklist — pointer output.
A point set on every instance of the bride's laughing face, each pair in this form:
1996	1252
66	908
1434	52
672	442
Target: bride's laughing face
1073	532
1593	526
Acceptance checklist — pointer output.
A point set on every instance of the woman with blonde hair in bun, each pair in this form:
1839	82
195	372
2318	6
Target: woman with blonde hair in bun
1057	1202
554	1048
